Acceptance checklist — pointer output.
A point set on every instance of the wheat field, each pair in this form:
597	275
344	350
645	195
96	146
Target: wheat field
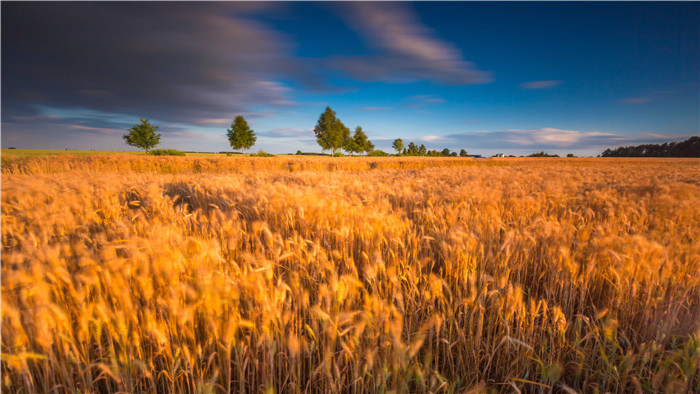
154	274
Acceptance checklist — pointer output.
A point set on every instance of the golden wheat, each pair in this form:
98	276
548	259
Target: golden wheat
145	274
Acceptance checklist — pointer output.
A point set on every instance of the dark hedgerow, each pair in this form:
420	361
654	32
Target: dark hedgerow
166	152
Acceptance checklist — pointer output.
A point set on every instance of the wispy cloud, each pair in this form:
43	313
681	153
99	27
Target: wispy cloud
417	101
214	121
172	61
376	108
432	138
425	99
540	85
553	138
97	130
285	132
636	100
543	138
409	50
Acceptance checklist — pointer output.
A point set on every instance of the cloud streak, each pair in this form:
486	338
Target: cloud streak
553	138
636	100
408	50
417	101
539	85
432	138
286	132
169	61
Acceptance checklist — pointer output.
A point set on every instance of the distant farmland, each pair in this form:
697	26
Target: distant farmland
289	274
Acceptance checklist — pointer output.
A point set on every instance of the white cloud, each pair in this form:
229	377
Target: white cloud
553	138
432	138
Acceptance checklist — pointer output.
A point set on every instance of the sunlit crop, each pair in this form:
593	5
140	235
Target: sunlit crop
155	274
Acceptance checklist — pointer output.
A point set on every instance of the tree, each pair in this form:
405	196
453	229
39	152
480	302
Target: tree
463	153
422	150
412	149
351	146
687	148
143	135
445	152
362	144
369	147
240	136
330	132
398	145
542	154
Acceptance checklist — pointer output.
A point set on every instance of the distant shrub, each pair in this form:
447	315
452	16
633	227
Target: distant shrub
377	153
570	155
338	154
311	153
12	147
542	154
262	153
166	152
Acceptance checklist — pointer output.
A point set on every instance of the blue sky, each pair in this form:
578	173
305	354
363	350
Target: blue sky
488	77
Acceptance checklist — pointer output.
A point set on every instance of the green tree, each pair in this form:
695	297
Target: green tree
422	150
330	132
351	146
143	135
412	149
462	153
398	145
361	142
445	152
369	147
240	136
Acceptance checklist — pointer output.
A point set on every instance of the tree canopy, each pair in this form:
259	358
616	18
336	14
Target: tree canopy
412	149
360	141
240	135
330	132
143	135
398	145
687	148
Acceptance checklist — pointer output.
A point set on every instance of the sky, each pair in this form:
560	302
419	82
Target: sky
488	77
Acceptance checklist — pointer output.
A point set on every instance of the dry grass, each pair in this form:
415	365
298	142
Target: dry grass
181	275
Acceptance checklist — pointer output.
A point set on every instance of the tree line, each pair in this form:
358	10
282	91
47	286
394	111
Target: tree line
687	148
331	134
415	150
145	136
